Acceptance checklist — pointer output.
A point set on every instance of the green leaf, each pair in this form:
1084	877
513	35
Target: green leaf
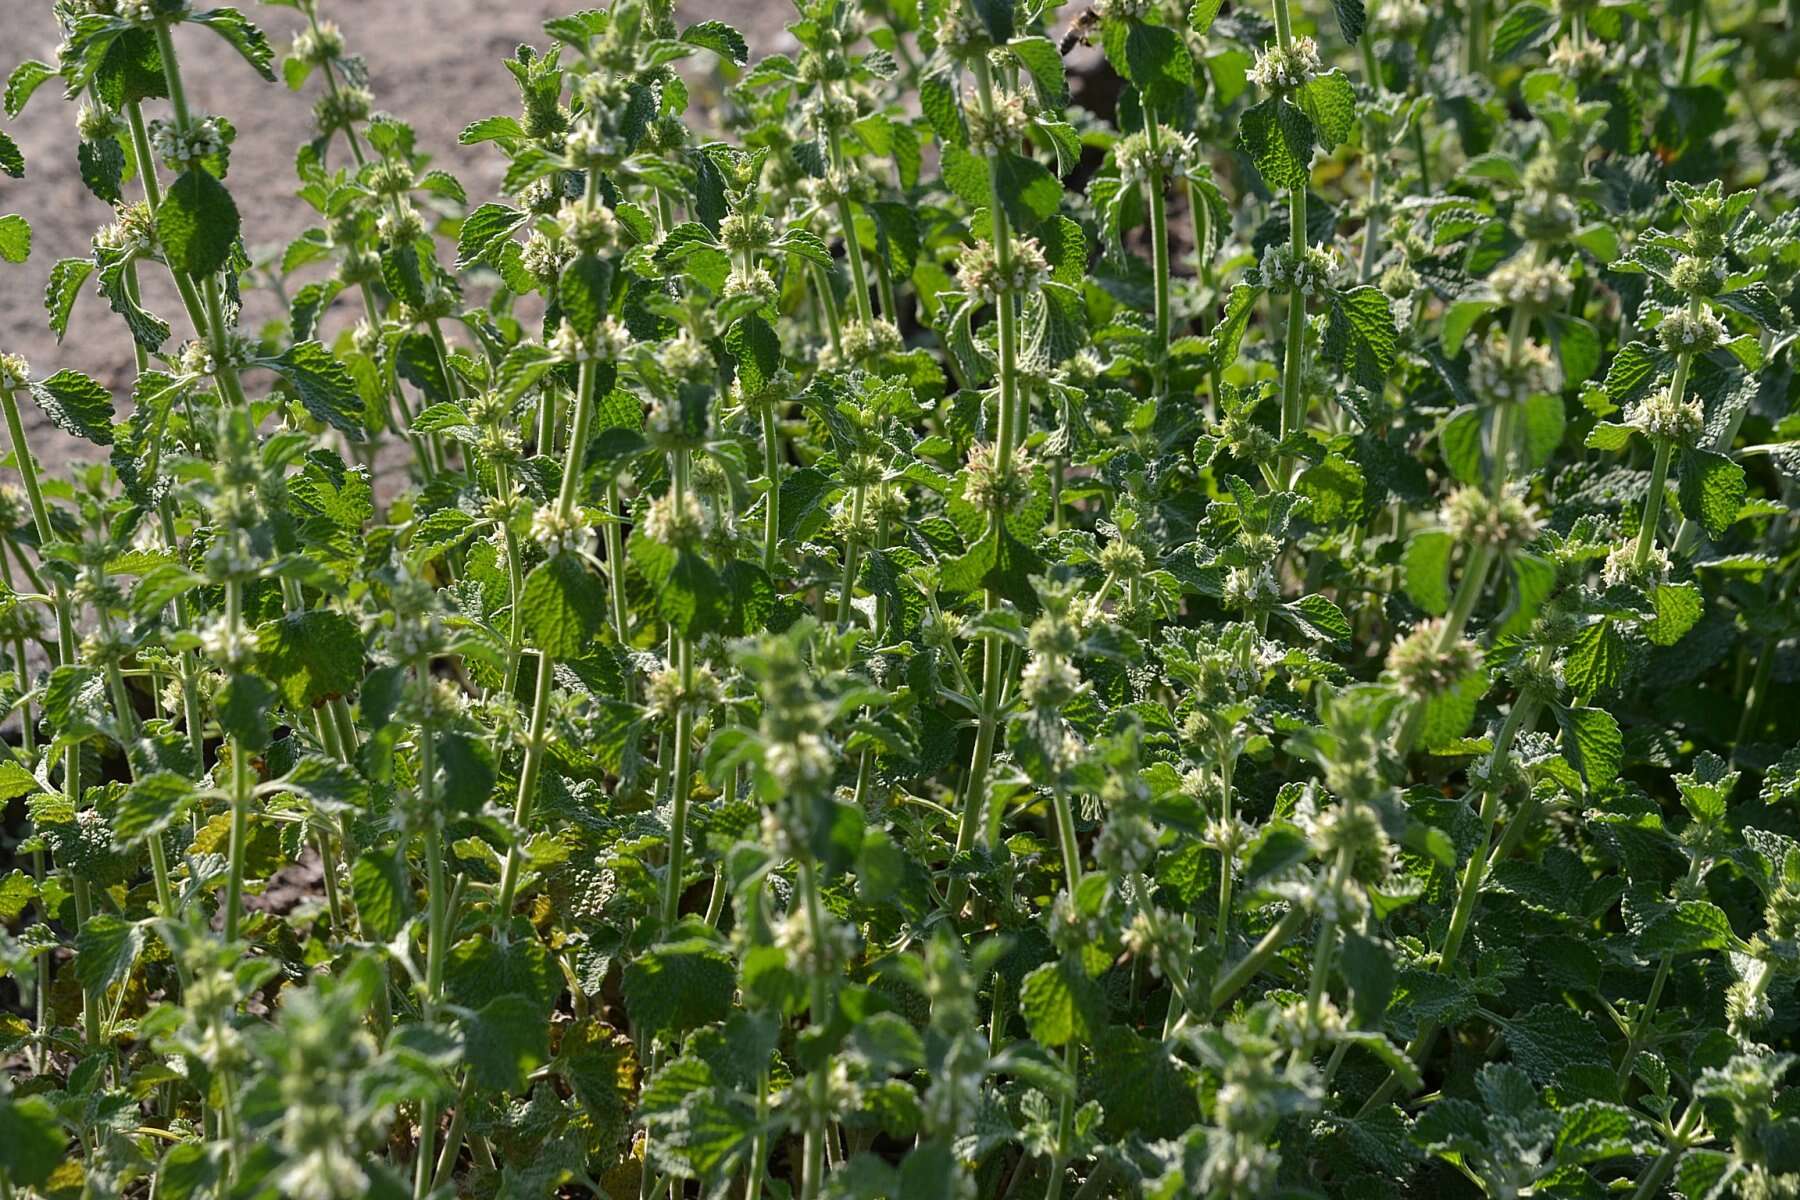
720	38
677	986
1426	570
62	292
1687	928
1203	13
76	404
1596	660
1318	618
243	708
1330	100
689	594
1609	436
243	36
484	231
1351	18
150	805
1030	194
563	607
32	1143
12	159
1679	607
1278	137
757	351
1061	1004
585	292
105	950
197	224
383	897
25	79
1592	743
15	238
1523	26
1368	967
504	1041
1152	57
468	770
324	385
1460	440
1712	490
998	561
1041	59
1360	338
490	129
996	17
311	656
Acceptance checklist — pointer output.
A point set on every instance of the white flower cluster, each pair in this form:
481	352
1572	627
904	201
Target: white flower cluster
593	229
1691	333
838	183
322	45
1048	681
1662	417
1279	70
14	370
960	31
1578	59
1421	667
227	557
1400	18
1308	273
756	283
544	257
226	643
400	224
610	341
1546	216
145	13
96	123
1474	517
745	231
588	146
1175	152
197	357
1127	843
978	268
802	764
1494	376
1000	127
559	534
675	524
686	356
1068	928
863	341
1622	568
180	149
1251	588
134	232
824	949
1527	285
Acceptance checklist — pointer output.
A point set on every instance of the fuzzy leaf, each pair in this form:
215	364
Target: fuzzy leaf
1712	490
197	224
1278	137
76	404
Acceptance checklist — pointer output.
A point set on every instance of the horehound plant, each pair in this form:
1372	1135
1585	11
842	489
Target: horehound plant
832	648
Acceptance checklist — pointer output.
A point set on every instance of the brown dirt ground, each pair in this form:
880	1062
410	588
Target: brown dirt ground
435	63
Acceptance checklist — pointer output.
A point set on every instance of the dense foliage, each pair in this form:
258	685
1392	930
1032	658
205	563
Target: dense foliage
867	629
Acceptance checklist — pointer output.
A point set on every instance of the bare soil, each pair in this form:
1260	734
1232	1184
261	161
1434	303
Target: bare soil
434	63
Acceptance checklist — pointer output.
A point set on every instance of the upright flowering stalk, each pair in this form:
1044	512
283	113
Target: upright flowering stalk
1285	136
593	340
